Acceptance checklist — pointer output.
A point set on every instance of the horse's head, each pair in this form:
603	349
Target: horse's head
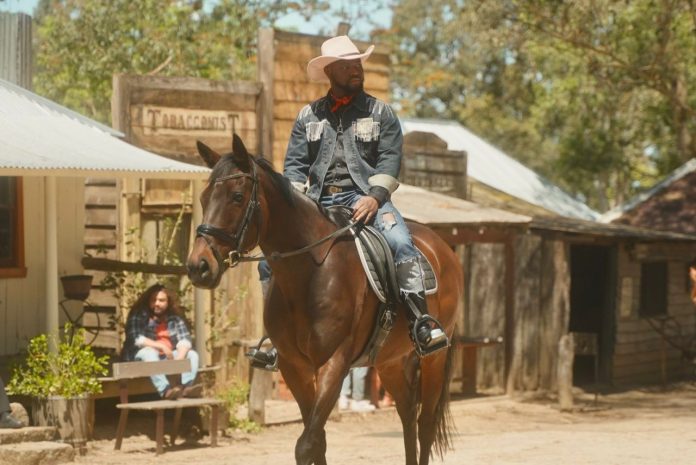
231	216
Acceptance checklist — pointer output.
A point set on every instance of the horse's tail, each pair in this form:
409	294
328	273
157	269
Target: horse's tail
443	417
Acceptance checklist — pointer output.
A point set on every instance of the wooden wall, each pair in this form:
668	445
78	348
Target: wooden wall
542	309
428	164
639	348
22	300
283	58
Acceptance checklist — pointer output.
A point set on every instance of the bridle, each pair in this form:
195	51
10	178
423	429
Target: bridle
236	239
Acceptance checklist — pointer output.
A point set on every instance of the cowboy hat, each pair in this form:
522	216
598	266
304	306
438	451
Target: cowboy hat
335	49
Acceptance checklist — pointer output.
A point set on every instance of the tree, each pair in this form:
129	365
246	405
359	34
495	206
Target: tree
82	43
598	94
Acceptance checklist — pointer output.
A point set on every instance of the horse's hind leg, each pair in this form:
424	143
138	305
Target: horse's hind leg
400	379
432	422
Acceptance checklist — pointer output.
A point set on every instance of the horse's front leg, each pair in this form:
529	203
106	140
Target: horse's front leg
311	446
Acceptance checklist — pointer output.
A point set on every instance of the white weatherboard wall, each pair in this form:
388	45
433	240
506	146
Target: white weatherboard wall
22	300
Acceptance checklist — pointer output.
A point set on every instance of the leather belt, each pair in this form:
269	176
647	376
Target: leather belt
331	190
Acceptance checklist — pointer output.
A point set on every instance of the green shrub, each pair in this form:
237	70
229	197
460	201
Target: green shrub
69	371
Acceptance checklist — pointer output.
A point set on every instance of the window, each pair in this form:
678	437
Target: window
11	228
653	289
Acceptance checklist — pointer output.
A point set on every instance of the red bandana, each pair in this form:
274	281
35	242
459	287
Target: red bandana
340	102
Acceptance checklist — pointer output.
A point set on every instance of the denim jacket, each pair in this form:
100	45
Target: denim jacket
372	143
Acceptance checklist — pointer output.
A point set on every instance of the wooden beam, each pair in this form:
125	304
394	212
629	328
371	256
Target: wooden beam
509	308
105	264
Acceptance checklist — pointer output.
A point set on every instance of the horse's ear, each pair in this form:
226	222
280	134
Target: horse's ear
239	152
208	155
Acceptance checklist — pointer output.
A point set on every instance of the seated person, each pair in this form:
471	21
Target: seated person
156	330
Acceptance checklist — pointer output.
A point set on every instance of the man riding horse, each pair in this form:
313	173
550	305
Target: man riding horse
345	149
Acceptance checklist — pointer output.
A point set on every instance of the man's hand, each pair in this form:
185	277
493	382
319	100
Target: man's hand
167	352
365	209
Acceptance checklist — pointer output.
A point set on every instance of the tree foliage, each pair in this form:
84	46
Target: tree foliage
600	95
82	43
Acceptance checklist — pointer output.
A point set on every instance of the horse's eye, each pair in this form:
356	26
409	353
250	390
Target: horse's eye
237	197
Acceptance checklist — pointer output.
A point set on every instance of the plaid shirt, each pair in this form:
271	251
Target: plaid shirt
140	326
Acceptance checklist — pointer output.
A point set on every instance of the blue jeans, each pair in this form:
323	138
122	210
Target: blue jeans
354	383
161	383
388	221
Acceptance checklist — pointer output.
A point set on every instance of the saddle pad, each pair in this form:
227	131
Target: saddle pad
373	277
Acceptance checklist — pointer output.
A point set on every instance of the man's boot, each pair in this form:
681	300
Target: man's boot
261	358
426	332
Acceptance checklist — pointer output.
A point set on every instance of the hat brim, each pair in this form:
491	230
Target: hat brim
315	67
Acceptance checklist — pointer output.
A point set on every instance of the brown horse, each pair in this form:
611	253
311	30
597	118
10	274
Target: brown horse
320	309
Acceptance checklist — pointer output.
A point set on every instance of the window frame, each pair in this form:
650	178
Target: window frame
643	310
17	269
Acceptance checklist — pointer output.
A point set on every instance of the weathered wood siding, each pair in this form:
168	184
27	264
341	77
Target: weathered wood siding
542	309
22	300
639	348
427	163
289	89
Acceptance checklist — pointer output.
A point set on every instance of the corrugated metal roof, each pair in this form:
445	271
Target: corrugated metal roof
431	208
615	213
613	230
491	166
41	138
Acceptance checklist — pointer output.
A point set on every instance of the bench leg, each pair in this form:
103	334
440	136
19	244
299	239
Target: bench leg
122	420
213	426
159	431
177	423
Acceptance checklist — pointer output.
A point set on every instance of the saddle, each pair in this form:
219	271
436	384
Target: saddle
378	263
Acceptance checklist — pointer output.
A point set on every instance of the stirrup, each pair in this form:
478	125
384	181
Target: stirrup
439	342
261	359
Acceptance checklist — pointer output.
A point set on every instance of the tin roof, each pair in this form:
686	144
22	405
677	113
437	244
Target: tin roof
431	208
39	138
491	166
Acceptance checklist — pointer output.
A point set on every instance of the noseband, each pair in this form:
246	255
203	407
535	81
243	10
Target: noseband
236	239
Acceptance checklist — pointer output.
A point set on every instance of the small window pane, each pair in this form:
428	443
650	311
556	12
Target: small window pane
653	289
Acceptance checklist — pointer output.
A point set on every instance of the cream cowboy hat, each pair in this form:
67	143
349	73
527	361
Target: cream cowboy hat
335	49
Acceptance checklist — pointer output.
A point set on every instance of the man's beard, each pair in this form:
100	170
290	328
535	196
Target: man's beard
351	89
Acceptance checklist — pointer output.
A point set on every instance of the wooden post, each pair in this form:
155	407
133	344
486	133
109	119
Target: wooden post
51	230
266	58
566	355
260	390
509	311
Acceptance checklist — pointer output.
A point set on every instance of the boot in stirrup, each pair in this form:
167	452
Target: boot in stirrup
262	359
425	331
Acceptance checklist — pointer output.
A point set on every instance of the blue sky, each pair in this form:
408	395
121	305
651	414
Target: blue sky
321	23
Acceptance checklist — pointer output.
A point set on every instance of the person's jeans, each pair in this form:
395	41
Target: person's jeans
388	221
161	383
354	383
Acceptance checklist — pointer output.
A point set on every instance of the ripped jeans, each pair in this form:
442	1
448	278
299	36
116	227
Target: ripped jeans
388	221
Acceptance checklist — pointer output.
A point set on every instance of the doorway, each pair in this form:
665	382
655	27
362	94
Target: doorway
592	284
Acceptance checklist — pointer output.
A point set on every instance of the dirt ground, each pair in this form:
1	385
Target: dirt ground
646	426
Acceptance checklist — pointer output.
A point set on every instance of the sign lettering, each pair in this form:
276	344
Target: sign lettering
156	120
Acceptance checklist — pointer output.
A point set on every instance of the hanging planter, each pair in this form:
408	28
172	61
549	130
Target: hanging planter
76	286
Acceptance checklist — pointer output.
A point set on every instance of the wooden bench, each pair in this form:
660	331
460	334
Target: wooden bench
123	372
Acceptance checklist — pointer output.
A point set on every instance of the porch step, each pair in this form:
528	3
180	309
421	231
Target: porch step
27	434
36	453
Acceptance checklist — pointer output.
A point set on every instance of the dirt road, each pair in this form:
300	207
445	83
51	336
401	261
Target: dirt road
639	427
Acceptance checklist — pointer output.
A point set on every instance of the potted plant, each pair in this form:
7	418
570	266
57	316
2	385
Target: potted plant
61	383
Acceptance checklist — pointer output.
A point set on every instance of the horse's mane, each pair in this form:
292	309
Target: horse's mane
227	162
286	189
279	181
